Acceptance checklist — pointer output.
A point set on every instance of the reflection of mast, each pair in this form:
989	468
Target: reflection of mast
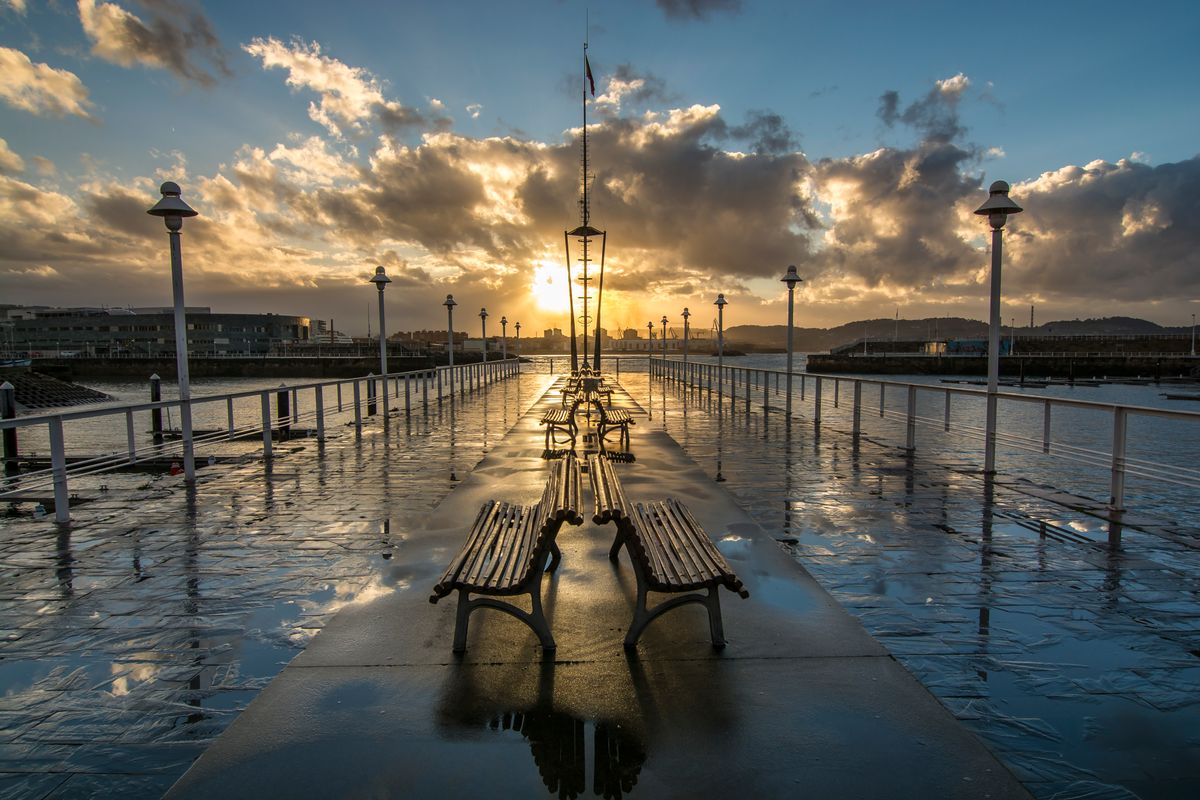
584	234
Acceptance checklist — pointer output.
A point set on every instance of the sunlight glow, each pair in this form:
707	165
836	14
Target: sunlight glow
549	287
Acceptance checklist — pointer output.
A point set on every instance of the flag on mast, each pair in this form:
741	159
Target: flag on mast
588	67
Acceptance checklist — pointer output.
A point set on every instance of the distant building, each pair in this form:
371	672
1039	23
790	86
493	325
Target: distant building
151	332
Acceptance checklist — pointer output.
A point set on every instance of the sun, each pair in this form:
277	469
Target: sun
549	288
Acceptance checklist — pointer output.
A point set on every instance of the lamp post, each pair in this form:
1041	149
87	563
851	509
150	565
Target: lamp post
381	280
172	209
686	314
996	208
664	337
649	336
720	303
504	337
450	304
791	279
483	315
518	329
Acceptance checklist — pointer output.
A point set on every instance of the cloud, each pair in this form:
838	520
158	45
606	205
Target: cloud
696	9
41	89
474	110
351	98
44	166
10	162
16	5
628	85
935	115
175	38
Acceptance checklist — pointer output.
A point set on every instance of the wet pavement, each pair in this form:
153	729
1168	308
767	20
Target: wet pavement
1076	661
801	701
131	639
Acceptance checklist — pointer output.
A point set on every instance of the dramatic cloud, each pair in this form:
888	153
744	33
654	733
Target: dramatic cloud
39	88
628	85
16	5
351	98
935	115
176	36
696	9
10	162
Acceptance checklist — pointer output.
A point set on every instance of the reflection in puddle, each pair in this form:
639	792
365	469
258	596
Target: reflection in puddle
559	743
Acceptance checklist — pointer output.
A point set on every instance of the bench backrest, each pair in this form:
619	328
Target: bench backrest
609	503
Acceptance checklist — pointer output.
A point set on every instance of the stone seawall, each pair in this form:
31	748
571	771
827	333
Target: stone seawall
1030	366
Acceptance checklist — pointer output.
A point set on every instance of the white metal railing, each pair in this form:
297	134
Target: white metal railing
367	395
743	386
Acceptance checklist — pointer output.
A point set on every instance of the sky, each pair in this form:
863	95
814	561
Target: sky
728	139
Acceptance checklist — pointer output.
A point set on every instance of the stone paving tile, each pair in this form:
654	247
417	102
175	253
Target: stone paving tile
132	638
1077	663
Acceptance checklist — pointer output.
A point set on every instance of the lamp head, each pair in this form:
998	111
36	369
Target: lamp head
380	278
450	304
791	278
171	207
720	302
664	319
483	313
686	314
998	205
503	320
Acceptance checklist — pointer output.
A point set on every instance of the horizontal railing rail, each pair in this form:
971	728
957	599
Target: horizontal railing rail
414	391
744	385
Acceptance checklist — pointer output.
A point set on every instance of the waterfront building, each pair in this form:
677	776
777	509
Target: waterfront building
136	332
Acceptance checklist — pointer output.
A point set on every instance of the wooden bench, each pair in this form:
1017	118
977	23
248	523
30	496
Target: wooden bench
613	418
559	419
669	550
507	550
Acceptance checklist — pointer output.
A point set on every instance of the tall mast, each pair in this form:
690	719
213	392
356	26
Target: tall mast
584	209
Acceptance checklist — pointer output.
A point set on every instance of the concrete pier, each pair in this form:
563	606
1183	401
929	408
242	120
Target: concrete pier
802	701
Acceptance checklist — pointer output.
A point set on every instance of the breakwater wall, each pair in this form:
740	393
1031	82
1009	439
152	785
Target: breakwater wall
1028	366
73	369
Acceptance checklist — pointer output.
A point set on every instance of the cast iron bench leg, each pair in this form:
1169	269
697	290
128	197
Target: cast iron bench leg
643	616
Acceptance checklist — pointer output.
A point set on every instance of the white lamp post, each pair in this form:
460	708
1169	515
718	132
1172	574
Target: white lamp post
381	280
791	279
664	337
996	208
504	337
686	314
517	327
483	315
172	209
450	304
720	303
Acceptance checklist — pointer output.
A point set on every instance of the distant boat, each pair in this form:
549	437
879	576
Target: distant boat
15	362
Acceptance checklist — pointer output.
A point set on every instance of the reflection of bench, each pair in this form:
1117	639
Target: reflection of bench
559	419
669	550
507	550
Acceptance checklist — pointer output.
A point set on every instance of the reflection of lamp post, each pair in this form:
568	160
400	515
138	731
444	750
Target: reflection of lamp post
172	209
504	337
450	304
518	329
483	315
664	337
381	280
791	279
686	314
996	208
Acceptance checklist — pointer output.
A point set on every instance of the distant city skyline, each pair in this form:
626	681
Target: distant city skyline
729	139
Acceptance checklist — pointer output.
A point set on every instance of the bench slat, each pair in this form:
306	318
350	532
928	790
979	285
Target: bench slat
731	580
478	529
682	546
505	552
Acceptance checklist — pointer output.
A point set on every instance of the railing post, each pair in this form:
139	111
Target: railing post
296	406
58	466
282	410
837	391
1116	500
319	402
371	394
989	436
339	396
817	402
130	440
266	423
857	425
357	411
882	387
1046	427
229	427
407	396
156	426
765	379
438	371
425	391
8	410
946	423
803	386
910	436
